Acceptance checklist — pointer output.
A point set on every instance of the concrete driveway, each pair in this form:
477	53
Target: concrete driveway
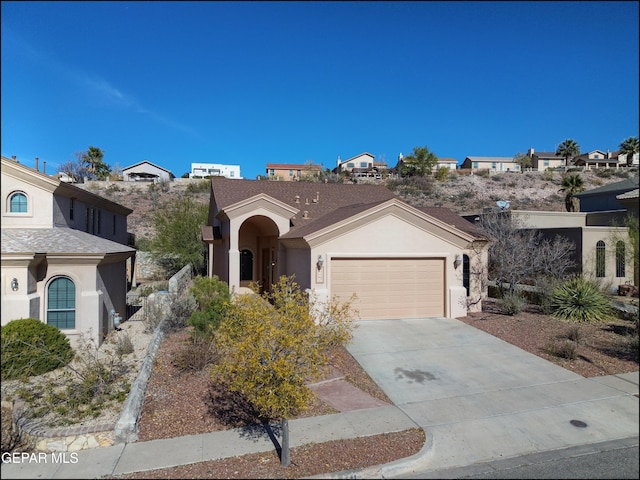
479	398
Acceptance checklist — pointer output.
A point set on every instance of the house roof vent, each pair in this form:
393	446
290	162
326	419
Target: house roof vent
297	198
305	214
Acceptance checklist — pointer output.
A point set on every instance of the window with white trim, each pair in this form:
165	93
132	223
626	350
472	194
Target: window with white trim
61	303
18	203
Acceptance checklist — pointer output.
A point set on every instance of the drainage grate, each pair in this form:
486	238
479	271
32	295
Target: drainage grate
578	423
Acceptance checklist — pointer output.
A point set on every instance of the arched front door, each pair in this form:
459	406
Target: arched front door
246	266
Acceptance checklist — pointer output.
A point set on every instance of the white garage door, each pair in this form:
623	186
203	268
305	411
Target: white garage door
391	287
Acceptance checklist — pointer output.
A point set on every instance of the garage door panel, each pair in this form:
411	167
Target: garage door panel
390	287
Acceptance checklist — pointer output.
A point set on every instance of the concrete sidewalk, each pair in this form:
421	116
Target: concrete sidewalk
478	399
134	457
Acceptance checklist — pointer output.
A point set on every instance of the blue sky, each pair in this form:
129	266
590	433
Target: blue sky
251	83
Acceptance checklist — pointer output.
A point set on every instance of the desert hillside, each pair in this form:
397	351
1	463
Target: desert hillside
464	194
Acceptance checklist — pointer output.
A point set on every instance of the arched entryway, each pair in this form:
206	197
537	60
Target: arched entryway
258	242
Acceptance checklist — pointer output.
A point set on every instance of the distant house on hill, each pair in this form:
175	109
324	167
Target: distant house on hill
292	171
493	164
362	165
541	161
598	159
205	170
450	163
146	171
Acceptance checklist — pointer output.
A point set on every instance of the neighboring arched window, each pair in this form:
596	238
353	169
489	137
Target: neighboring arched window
61	303
18	203
620	254
246	265
600	259
466	274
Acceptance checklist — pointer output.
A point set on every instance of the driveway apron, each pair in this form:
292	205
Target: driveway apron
479	398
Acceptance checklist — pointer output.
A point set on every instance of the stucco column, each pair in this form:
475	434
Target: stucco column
234	259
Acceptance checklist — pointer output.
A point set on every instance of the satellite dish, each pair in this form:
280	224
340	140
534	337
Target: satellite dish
503	204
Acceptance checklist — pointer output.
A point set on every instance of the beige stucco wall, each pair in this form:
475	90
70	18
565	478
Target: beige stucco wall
389	237
97	293
609	235
39	204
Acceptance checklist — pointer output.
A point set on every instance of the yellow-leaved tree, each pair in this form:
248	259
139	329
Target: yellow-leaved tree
272	345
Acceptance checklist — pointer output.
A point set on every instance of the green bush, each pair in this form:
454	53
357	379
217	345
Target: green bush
212	296
31	347
580	300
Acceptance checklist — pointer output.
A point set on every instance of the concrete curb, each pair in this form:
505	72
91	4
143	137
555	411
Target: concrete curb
397	468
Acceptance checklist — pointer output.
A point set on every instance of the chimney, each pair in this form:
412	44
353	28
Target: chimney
37	165
338	162
530	152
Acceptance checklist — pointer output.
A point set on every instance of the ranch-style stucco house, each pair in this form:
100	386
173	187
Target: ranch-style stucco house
337	239
64	254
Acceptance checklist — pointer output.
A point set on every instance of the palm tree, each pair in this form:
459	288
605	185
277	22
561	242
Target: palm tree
572	184
568	149
629	147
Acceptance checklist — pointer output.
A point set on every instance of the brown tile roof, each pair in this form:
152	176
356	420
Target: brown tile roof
452	218
335	202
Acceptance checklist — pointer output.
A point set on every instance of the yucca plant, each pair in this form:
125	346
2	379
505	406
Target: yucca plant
580	300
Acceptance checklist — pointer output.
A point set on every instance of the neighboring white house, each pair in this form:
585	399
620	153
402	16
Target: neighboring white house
146	171
493	164
64	254
202	170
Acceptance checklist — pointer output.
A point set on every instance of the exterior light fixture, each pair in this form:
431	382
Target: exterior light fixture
458	261
14	284
320	262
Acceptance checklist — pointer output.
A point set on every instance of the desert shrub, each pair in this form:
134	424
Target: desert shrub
543	296
574	333
31	347
580	300
124	345
442	174
198	187
563	349
92	382
621	173
511	303
605	173
547	176
153	315
197	353
180	310
212	296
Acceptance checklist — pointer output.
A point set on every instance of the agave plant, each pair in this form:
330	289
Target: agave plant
580	300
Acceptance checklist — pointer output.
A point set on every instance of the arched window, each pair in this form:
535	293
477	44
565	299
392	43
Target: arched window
18	203
620	254
246	265
600	259
61	303
466	274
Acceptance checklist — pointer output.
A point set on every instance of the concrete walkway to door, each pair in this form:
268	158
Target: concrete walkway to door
480	399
